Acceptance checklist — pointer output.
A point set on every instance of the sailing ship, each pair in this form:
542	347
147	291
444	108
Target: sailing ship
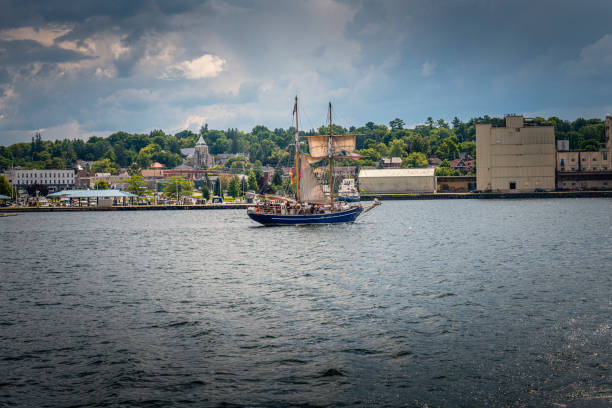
310	205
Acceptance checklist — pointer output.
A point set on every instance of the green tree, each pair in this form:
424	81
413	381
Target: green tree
396	124
277	178
104	166
136	184
178	186
101	185
233	189
397	148
205	192
447	171
5	187
448	149
415	159
590	145
219	187
252	185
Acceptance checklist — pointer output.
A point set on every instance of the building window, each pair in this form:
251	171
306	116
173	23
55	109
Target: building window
594	158
605	156
512	185
584	159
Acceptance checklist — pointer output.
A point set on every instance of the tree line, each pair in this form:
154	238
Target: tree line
273	147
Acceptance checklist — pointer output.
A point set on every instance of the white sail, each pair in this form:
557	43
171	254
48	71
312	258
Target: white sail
310	189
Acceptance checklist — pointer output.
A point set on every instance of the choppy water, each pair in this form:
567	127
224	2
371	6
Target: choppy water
437	303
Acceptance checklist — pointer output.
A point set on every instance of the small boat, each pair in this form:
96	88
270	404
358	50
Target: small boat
310	205
348	192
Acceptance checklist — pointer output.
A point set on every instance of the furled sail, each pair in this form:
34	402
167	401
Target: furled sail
343	147
310	189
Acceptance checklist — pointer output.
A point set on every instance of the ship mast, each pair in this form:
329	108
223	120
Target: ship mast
331	156
296	176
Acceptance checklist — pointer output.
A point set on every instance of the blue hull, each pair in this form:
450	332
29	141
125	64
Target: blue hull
333	218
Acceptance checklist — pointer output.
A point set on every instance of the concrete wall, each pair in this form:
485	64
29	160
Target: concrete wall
515	155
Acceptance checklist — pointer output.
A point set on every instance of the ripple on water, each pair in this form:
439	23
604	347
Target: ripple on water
421	303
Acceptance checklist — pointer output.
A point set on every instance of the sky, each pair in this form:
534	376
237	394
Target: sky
76	69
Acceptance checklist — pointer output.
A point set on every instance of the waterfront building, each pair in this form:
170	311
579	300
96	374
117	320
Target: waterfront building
585	170
397	181
455	184
52	179
519	157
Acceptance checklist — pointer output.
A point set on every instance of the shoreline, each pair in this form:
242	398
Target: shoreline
455	196
365	197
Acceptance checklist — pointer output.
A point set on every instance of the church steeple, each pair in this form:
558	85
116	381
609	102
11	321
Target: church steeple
201	141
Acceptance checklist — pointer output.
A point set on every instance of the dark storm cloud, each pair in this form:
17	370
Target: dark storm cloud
17	13
140	64
23	52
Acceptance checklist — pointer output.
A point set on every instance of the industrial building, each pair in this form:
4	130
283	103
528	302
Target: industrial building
519	157
585	170
397	181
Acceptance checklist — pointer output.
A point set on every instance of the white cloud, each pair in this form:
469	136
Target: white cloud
595	58
206	66
427	69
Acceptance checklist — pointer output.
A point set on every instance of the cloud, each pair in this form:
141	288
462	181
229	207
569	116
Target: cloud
44	36
427	69
206	66
594	59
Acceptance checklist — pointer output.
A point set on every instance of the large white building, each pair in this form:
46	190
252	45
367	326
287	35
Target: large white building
397	181
519	157
54	180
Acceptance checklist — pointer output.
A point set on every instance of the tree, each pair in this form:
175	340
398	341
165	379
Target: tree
178	186
415	159
448	149
590	145
397	148
447	171
219	187
136	184
104	166
396	124
205	192
101	185
5	187
277	178
233	189
252	185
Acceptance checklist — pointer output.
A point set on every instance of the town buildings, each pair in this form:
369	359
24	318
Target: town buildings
53	180
519	157
585	170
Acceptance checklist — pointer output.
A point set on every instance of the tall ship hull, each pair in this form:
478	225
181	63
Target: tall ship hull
337	217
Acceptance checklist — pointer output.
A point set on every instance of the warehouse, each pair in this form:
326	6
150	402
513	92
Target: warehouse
397	181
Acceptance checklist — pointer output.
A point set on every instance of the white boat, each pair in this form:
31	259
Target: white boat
347	191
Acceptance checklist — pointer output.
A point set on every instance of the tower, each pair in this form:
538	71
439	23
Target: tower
201	157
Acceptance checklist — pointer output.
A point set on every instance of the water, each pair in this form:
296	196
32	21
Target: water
437	303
